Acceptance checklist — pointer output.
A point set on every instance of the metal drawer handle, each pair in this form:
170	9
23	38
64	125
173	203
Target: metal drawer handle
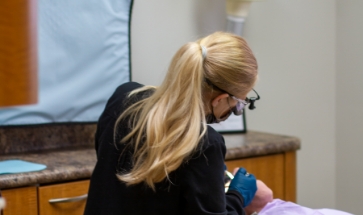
70	199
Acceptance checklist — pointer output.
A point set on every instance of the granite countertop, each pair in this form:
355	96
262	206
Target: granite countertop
62	166
75	163
258	143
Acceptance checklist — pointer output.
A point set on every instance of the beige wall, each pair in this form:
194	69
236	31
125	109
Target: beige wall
160	27
294	42
349	114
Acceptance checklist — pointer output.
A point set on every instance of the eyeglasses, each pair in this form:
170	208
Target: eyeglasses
238	109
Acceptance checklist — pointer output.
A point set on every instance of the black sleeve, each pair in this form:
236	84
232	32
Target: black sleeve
202	181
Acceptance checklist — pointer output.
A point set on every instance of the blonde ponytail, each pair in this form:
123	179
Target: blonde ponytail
168	125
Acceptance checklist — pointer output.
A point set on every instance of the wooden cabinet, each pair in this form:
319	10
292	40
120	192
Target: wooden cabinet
63	199
59	199
21	201
277	171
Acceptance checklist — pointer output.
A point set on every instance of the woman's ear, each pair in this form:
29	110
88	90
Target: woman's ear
219	98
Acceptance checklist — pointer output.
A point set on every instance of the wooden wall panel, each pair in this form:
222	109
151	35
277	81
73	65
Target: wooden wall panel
18	52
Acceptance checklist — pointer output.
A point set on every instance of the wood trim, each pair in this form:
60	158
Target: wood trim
21	201
18	52
290	176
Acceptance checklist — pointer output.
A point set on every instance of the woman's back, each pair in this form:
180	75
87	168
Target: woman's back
196	187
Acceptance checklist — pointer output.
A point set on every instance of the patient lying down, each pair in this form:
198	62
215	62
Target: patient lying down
264	204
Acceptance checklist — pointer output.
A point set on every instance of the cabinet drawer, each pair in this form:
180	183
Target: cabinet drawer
67	198
20	201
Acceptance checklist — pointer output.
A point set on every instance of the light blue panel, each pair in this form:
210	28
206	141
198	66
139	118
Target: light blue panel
19	166
83	56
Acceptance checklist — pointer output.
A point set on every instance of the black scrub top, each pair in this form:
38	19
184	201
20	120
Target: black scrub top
196	187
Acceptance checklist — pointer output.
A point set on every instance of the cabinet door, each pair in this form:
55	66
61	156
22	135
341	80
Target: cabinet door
67	198
20	201
269	169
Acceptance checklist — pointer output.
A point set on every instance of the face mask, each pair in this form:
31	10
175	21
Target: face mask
211	118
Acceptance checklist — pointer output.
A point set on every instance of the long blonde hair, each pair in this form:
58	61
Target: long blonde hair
168	126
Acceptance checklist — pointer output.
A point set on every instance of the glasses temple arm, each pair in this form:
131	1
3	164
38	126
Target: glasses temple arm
258	96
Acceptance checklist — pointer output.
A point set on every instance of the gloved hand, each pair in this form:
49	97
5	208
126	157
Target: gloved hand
245	184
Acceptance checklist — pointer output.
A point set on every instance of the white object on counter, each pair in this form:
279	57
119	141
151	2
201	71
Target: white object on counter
2	203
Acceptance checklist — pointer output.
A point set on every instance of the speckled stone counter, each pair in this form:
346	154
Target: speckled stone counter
258	143
62	166
76	161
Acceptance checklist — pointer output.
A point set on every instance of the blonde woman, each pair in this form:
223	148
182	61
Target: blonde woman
156	154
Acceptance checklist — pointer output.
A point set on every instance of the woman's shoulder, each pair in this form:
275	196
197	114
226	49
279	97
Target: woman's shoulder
127	87
213	141
123	90
213	136
116	101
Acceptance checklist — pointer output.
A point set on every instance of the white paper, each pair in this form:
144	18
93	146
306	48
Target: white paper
232	124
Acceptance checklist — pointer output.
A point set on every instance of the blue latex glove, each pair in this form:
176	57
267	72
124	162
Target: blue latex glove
245	184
